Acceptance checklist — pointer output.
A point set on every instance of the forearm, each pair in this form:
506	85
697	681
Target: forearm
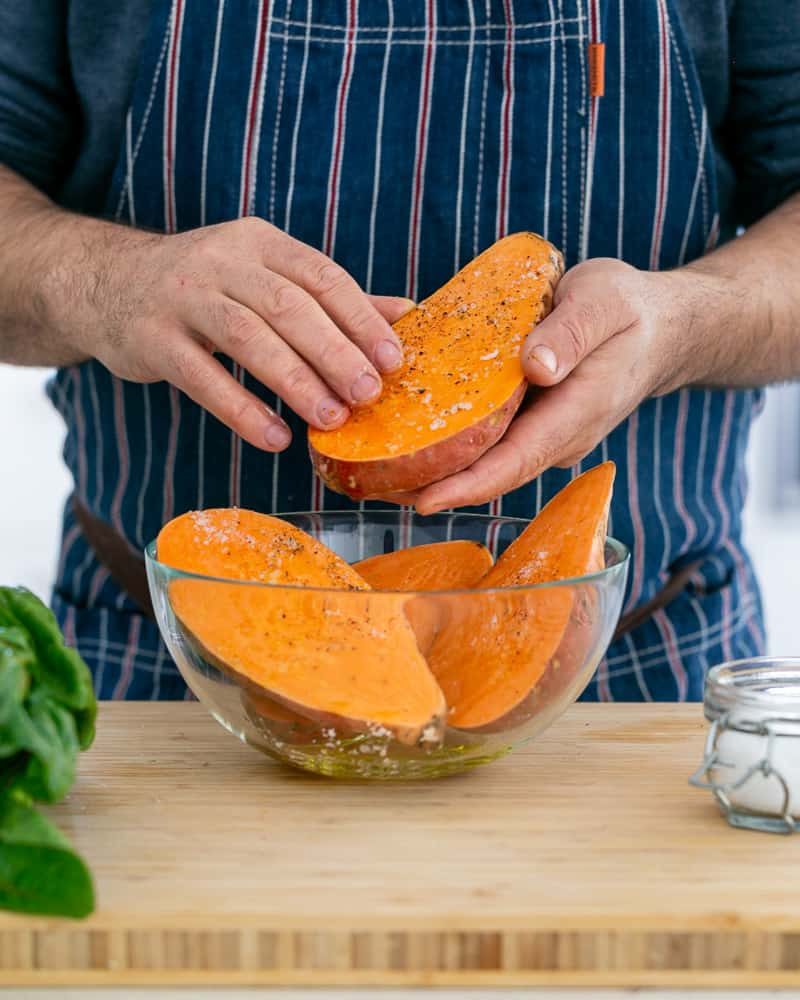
739	306
48	275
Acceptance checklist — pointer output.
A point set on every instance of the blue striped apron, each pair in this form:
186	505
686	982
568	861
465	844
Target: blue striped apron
402	137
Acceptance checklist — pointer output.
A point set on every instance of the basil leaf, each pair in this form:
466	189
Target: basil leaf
56	668
16	660
47	713
39	871
54	750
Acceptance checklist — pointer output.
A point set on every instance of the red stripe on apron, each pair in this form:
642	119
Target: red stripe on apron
665	97
338	133
126	674
423	120
172	452
169	125
123	455
504	179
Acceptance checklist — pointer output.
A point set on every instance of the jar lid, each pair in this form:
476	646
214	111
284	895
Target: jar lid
755	690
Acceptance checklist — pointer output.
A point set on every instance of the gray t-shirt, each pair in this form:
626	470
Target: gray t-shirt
67	70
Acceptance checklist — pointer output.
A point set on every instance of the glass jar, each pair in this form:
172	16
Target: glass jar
752	754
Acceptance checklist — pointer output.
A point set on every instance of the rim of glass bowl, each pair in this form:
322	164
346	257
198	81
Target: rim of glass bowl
620	550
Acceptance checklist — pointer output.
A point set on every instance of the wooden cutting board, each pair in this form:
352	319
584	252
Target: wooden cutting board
583	858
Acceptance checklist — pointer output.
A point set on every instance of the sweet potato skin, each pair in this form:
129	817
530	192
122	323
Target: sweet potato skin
375	479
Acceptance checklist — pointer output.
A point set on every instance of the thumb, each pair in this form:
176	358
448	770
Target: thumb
392	307
576	326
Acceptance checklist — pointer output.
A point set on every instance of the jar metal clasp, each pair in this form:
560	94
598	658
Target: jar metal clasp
764	766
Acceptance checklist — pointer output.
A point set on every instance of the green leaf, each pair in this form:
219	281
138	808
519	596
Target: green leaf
47	713
56	667
16	660
46	740
39	871
54	751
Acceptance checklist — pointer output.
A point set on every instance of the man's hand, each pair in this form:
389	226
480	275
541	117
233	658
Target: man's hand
290	316
152	307
618	335
615	336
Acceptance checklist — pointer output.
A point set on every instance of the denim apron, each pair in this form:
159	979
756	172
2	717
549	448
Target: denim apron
402	137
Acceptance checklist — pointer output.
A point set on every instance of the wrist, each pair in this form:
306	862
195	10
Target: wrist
691	304
80	278
61	273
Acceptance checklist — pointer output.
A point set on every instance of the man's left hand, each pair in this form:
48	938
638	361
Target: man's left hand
616	336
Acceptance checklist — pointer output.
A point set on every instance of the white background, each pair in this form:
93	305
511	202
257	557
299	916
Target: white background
33	484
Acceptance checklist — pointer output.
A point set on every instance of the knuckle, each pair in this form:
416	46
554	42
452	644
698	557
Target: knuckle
238	329
578	450
326	277
239	410
296	381
332	359
136	369
574	336
193	372
362	323
205	252
534	462
287	301
251	224
521	466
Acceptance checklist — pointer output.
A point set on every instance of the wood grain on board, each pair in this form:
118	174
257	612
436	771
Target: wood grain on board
582	859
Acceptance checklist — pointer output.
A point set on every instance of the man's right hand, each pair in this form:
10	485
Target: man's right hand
162	306
152	307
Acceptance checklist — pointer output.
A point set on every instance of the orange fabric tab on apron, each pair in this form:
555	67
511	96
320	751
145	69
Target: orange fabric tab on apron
597	69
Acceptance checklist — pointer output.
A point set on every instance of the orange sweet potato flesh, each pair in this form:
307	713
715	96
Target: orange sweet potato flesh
490	652
462	381
456	565
348	660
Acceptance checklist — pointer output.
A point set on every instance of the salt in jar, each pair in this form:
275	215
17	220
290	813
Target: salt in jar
752	755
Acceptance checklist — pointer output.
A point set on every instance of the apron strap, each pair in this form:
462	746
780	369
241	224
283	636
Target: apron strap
675	584
126	567
124	563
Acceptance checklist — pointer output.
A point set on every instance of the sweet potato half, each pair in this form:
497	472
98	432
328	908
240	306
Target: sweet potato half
492	648
348	660
462	381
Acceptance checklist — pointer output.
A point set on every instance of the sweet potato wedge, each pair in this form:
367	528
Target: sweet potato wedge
455	565
490	652
345	659
462	381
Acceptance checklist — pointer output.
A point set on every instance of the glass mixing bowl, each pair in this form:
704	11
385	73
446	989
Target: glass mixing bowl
470	623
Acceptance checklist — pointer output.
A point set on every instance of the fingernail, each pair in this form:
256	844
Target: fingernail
546	358
365	387
277	436
330	410
388	356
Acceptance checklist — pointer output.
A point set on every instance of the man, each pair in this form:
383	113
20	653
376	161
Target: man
236	150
